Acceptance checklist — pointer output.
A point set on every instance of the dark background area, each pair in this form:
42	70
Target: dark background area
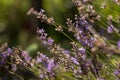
19	29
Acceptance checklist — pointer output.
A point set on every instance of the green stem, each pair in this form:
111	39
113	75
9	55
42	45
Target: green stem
16	75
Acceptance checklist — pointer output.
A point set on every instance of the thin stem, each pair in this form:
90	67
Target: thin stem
16	75
61	25
65	34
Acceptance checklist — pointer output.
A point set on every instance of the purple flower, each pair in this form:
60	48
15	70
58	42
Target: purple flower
78	35
82	34
116	72
46	41
2	58
82	50
9	51
85	39
82	23
41	76
26	56
50	41
39	60
118	44
79	71
66	53
41	34
14	67
110	29
74	60
42	58
50	65
91	41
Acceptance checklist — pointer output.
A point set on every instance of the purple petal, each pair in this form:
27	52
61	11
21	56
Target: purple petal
74	60
50	65
118	44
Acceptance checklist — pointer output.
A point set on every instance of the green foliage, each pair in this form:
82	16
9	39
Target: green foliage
12	20
106	8
59	9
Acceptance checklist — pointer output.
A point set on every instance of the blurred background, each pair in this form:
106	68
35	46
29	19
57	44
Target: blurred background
18	29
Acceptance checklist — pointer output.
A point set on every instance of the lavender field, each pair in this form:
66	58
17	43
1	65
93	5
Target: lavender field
60	40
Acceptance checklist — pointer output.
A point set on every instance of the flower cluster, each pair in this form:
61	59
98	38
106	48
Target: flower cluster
74	61
41	16
13	58
91	55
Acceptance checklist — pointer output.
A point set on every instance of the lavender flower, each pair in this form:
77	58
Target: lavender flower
50	65
74	60
83	31
26	56
118	44
41	58
116	72
50	41
41	16
67	54
2	58
41	76
41	34
82	50
13	58
14	67
46	41
110	29
9	51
